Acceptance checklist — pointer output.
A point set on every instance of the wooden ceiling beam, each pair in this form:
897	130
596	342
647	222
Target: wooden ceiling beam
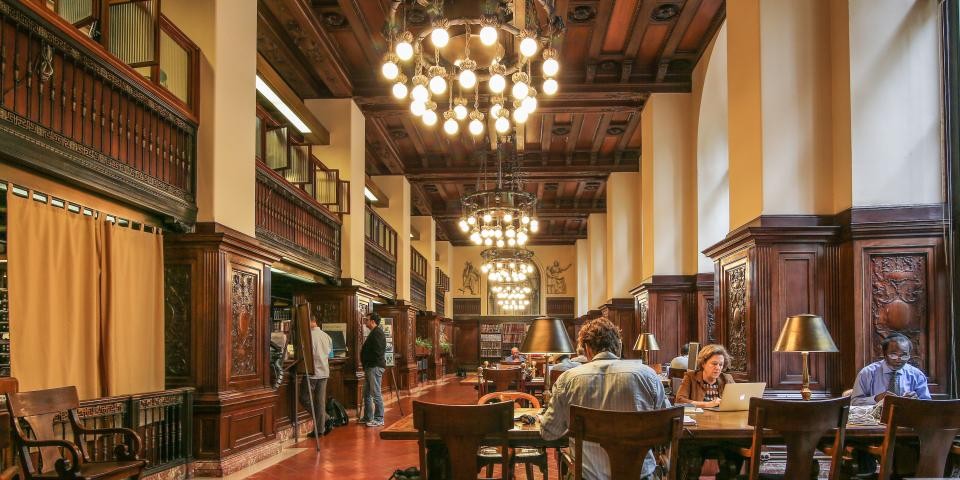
573	137
531	172
543	212
362	30
389	155
272	44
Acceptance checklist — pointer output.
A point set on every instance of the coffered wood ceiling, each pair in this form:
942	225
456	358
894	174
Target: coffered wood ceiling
614	54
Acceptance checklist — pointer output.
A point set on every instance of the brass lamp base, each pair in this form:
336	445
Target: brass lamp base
805	388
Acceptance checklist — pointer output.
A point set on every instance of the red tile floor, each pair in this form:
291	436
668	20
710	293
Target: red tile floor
356	451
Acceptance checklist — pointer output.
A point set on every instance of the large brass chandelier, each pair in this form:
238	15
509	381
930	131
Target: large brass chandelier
512	265
503	56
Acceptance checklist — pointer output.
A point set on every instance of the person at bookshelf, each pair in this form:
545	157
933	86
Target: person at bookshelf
605	383
374	361
515	356
321	344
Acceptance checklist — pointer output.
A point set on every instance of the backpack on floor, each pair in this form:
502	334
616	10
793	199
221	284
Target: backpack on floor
336	413
412	473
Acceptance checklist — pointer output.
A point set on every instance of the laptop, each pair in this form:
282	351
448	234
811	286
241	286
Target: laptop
736	396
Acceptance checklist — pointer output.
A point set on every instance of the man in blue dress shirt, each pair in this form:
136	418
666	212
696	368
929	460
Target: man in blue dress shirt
890	376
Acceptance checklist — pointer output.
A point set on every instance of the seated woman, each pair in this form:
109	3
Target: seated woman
703	386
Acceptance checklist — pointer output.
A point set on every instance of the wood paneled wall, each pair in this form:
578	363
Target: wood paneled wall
666	306
620	311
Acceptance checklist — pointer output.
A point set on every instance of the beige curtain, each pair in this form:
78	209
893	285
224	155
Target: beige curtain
132	311
54	287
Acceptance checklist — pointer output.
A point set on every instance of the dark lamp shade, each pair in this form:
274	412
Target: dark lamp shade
646	341
547	335
805	333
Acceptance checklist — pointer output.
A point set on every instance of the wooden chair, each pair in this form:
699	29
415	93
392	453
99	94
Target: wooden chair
8	385
528	456
935	423
463	429
502	379
627	437
676	376
35	417
554	375
801	424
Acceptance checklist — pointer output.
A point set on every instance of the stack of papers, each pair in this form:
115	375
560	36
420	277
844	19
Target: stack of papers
688	420
689	410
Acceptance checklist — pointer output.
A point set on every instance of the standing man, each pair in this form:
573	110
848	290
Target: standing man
605	383
321	343
890	376
374	361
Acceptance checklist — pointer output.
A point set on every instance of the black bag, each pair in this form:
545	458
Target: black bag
337	415
412	473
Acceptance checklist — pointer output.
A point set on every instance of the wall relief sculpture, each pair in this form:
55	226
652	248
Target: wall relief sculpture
243	331
736	334
899	300
711	328
176	313
556	284
644	307
471	279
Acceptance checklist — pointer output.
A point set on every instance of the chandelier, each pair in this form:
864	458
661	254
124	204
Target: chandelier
433	76
512	297
502	265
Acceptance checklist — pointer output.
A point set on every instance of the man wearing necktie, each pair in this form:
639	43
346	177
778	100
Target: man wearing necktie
892	375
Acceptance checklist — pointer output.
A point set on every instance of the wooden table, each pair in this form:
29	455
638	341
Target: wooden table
712	430
531	386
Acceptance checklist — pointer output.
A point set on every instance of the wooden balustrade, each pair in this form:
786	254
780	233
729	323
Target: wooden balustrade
294	222
71	109
418	279
442	287
380	259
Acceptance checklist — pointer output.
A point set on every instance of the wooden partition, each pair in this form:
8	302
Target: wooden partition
666	307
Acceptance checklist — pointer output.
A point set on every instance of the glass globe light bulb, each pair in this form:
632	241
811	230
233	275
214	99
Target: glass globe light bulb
418	108
475	238
472	220
400	90
476	127
520	115
404	49
507	217
463	226
488	35
524	219
439	37
550	86
430	118
420	93
534	225
438	85
498	233
529	104
511	233
460	112
550	67
520	90
390	70
451	126
500	243
488	241
487	218
468	79
528	47
512	242
497	83
495	110
502	125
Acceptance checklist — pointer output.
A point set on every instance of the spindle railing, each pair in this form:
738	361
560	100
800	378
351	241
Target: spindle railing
418	279
380	259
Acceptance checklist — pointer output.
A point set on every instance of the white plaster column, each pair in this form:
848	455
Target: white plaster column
397	189
427	246
445	262
597	263
583	276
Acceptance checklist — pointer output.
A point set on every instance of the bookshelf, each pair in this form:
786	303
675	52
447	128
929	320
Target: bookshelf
490	341
513	334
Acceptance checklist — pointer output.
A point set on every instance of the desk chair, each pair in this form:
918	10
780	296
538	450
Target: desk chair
627	437
528	456
935	423
463	429
554	375
802	424
8	385
502	379
676	376
35	417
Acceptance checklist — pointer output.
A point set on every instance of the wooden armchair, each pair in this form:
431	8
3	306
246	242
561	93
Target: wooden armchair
463	429
502	379
528	456
935	422
8	385
35	417
627	437
802	424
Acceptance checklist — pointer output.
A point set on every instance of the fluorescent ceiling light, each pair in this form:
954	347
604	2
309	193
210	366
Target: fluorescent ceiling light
274	99
370	196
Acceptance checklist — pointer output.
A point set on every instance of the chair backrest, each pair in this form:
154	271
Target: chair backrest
554	375
463	429
39	410
510	363
503	378
677	373
935	422
801	424
509	396
627	437
8	385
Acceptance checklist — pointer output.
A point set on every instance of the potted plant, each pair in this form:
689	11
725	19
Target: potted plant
446	347
423	346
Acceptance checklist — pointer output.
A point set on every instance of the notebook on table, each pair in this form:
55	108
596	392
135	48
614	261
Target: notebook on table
736	396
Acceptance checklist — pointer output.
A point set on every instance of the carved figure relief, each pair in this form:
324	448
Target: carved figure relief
176	325
471	279
644	306
711	322
899	300
243	324
556	284
736	334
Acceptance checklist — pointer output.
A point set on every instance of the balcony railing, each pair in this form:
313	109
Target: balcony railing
442	287
418	279
380	254
164	421
292	220
72	109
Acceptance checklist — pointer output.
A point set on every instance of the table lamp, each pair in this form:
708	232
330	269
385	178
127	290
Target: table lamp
805	333
548	336
646	342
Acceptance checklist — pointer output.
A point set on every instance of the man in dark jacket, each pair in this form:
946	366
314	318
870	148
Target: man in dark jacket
373	358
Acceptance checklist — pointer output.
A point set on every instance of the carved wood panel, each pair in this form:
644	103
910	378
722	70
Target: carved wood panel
557	306
243	324
898	304
735	333
710	323
466	306
178	311
643	309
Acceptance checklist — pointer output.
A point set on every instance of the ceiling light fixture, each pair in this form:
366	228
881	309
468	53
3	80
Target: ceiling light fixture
282	107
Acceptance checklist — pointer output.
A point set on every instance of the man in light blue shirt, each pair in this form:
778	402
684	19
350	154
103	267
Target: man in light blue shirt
605	383
891	376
